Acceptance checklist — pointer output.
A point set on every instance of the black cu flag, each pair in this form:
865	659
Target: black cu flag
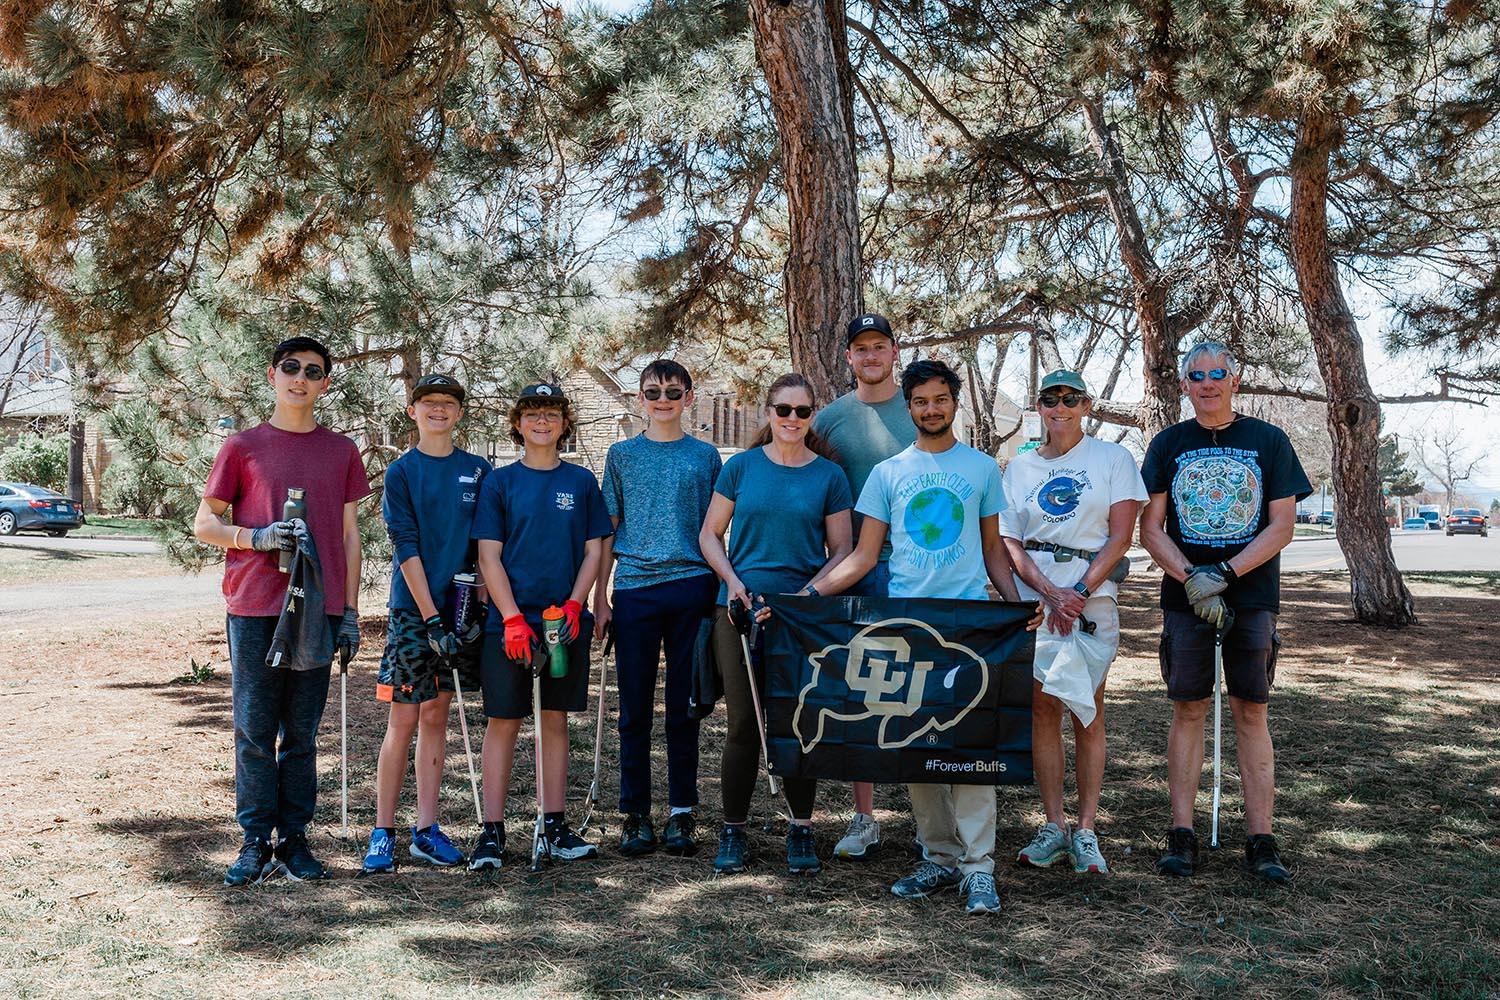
899	690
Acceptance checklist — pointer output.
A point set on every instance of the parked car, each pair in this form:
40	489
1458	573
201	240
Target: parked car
1414	524
1323	517
1467	521
24	507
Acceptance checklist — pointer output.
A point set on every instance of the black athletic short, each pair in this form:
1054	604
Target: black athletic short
507	684
410	672
1187	656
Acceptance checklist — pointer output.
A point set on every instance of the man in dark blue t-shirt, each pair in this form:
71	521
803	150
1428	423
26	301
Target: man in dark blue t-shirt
540	527
431	493
1223	498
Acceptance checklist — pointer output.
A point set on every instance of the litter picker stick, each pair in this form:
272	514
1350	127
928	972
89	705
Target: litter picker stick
463	724
593	797
760	719
1213	838
344	655
539	832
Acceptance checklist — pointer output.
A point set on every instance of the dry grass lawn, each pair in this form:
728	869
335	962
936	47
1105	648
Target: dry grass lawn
118	825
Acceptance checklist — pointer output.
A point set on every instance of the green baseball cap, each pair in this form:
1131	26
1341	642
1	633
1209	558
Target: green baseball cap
1064	379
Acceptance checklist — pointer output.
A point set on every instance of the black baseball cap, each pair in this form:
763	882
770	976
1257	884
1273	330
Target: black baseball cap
866	323
428	384
544	391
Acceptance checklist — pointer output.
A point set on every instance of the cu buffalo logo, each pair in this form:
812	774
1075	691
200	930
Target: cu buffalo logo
900	675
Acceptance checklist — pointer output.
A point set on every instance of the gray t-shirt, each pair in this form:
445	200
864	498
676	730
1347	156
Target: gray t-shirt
864	435
660	491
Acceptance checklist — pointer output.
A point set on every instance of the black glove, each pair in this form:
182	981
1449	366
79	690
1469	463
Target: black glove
475	631
348	634
1204	582
443	642
277	535
739	617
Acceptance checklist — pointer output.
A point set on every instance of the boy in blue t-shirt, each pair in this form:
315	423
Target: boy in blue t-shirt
431	493
540	527
657	487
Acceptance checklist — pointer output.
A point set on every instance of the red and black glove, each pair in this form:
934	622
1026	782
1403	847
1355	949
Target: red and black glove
573	618
520	640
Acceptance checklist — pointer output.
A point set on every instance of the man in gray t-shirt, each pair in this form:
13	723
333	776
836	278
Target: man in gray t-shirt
866	427
657	487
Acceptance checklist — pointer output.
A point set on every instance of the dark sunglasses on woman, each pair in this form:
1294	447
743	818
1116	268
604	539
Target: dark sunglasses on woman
1217	374
291	366
672	392
787	409
1068	399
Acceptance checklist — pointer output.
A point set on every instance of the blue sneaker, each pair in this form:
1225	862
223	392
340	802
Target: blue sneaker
380	856
433	845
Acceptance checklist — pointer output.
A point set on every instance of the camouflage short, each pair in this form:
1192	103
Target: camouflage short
411	673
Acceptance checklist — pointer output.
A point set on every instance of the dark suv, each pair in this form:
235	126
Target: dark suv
24	507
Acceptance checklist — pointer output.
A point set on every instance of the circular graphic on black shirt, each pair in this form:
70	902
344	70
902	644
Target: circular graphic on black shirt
1218	498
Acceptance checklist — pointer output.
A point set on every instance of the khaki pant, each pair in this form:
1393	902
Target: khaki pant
956	825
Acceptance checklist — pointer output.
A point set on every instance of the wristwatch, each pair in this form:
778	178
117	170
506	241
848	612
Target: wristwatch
1227	571
1086	592
812	591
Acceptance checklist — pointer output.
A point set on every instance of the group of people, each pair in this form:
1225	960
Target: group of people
821	503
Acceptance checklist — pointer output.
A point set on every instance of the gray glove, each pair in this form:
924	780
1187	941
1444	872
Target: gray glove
1214	611
348	636
443	642
277	535
1204	582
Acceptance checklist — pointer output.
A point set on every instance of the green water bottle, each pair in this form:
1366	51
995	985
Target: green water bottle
557	649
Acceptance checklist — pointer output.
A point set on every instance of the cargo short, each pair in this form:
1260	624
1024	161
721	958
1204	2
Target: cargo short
1250	650
411	673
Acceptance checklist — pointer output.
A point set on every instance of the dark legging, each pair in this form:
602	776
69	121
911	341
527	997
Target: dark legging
742	756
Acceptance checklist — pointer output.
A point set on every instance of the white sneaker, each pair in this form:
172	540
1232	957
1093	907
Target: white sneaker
1050	845
862	835
1087	857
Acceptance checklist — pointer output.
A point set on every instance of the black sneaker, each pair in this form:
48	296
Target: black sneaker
637	836
1262	860
801	851
680	836
1181	854
254	863
566	845
734	851
297	861
489	849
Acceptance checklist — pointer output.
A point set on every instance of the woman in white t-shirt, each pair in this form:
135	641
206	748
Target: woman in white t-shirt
1072	509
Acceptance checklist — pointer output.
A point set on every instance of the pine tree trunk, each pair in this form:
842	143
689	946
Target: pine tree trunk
802	49
1380	596
75	462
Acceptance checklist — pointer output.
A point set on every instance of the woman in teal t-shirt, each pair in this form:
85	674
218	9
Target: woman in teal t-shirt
790	507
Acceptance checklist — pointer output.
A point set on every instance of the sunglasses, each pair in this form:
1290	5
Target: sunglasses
787	409
1217	374
291	366
1068	399
672	392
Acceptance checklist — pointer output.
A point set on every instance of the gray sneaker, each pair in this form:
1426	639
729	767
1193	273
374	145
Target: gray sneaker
1086	855
980	893
929	878
1049	846
863	835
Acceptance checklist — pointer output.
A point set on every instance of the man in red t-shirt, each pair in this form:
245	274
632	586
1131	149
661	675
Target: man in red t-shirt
276	786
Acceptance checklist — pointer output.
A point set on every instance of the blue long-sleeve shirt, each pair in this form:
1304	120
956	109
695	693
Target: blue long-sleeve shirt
429	511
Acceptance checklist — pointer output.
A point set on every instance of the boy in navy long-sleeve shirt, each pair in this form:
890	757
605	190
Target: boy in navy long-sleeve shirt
431	493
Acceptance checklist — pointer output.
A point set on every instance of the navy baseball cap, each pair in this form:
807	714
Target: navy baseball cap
544	391
866	323
428	384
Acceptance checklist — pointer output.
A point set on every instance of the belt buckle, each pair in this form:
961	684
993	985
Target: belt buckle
1062	555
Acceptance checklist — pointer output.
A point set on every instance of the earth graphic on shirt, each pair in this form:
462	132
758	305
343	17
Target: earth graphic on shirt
934	518
1218	498
1060	496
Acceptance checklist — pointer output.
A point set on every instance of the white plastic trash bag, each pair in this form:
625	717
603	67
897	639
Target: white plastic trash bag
1071	668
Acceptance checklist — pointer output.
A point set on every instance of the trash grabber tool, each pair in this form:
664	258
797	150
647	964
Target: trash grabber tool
552	657
344	655
744	622
1213	838
593	797
463	725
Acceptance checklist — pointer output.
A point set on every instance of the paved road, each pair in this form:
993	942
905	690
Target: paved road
71	544
1414	550
100	601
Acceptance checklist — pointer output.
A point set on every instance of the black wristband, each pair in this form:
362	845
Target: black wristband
1227	571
